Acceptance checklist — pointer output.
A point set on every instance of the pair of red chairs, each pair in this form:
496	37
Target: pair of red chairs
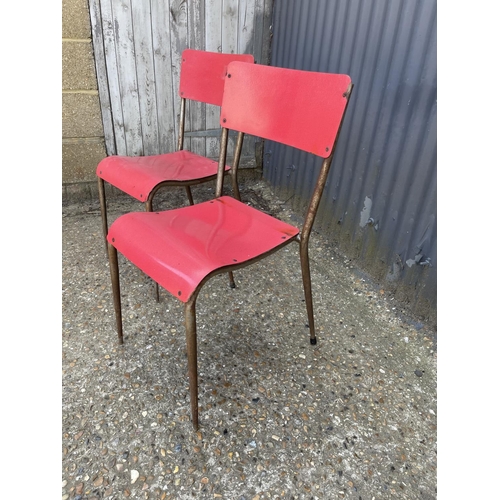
181	249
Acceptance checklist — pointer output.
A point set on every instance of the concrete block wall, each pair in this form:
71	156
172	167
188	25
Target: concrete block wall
82	131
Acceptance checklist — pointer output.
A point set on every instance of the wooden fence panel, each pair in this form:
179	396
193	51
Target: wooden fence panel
138	46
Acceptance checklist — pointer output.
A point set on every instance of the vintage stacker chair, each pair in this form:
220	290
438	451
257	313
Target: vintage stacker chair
201	79
181	249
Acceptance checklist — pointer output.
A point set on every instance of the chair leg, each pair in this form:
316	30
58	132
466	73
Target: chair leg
149	208
115	283
104	213
306	279
190	314
189	195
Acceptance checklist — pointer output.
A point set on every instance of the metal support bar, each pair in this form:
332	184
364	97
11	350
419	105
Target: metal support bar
115	283
192	354
104	211
182	121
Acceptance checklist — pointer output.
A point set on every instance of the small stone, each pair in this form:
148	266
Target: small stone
176	470
134	476
98	481
204	480
119	467
197	449
276	438
418	373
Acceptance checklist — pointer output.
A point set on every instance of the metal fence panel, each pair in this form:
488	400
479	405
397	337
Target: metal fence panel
379	205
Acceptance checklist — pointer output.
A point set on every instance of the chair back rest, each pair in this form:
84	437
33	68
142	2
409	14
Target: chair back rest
303	109
203	74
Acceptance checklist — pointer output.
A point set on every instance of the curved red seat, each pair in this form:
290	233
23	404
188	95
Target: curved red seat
179	248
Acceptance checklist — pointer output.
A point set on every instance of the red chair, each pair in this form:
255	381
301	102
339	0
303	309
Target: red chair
201	79
182	249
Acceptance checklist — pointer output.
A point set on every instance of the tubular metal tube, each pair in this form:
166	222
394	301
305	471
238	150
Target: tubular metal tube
190	315
306	279
115	283
189	195
182	120
222	163
236	162
104	211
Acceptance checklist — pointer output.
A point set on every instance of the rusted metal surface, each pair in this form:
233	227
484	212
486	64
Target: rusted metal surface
380	200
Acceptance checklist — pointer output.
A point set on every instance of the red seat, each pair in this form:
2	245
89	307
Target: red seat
139	175
182	248
179	248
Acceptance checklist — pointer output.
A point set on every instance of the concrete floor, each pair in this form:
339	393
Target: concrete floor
353	417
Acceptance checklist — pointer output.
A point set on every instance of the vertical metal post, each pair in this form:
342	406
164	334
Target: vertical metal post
236	162
104	212
222	163
149	208
306	280
192	354
189	195
182	119
115	283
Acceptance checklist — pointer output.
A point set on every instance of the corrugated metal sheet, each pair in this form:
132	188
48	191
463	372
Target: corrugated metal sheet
379	205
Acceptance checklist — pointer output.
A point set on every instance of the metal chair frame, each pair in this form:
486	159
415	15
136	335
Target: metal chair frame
301	237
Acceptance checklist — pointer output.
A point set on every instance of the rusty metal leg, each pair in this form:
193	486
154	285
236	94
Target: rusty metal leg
189	195
234	182
232	284
115	283
306	279
149	208
190	313
104	212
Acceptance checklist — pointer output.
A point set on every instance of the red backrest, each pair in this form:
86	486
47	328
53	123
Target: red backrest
302	109
202	74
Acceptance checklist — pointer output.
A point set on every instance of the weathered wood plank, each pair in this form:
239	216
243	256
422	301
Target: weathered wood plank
113	75
230	40
213	43
142	37
262	31
162	55
102	77
246	27
196	40
178	42
124	36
